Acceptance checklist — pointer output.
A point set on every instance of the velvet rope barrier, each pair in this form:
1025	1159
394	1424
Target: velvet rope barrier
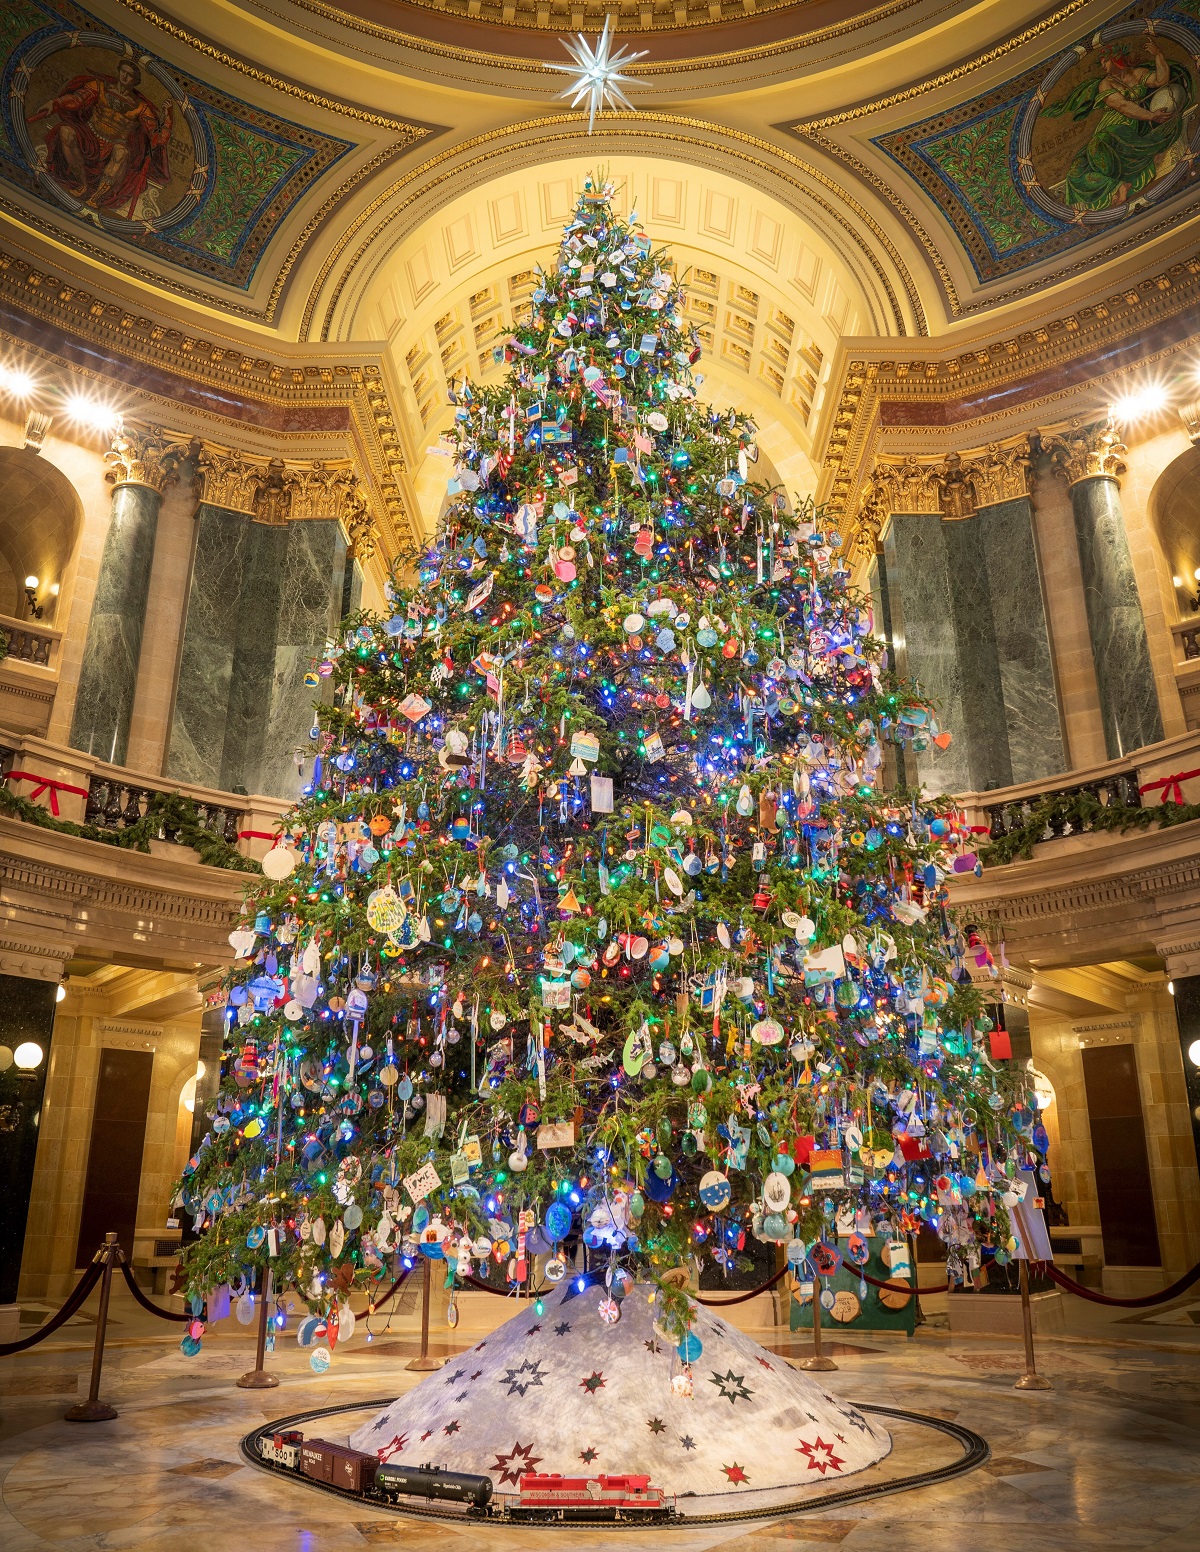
741	1298
902	1287
154	1309
75	1300
1147	1299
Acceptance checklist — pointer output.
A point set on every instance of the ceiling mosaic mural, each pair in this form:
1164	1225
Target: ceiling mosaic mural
1074	147
106	134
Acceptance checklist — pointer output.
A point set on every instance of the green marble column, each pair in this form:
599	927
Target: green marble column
1124	675
143	465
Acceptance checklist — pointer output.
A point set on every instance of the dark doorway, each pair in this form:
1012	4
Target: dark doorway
114	1170
1119	1156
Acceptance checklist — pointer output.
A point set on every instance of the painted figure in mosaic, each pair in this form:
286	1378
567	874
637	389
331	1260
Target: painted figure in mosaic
110	142
1142	130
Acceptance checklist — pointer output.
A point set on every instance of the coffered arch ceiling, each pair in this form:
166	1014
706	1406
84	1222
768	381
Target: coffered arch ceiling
769	297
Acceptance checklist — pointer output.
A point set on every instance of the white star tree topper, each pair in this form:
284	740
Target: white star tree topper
597	78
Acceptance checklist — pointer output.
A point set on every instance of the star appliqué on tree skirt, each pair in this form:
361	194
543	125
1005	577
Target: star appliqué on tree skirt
688	1442
767	1365
452	1427
523	1456
562	1328
652	1346
594	1382
457	1375
396	1447
524	1378
462	1396
589	1455
732	1386
533	1330
477	1373
656	1425
735	1473
425	1436
820	1456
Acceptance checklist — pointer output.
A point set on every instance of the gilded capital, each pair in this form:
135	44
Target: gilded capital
360	527
227	479
320	492
143	458
1087	452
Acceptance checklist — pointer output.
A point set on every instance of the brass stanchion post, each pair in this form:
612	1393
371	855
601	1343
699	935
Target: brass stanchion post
818	1362
1031	1379
258	1378
93	1410
423	1361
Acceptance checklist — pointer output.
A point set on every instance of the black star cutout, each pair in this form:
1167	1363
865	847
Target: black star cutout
688	1442
521	1379
533	1330
461	1397
656	1425
562	1328
452	1427
732	1386
652	1346
589	1455
593	1383
457	1375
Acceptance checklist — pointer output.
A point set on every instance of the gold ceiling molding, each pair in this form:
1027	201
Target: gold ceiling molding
650	131
788	46
807	127
356	387
971	375
955	486
410	130
149	458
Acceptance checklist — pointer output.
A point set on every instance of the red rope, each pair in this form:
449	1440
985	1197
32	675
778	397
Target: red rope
901	1287
74	1302
1147	1299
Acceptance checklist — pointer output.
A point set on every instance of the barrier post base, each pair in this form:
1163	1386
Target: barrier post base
90	1412
257	1379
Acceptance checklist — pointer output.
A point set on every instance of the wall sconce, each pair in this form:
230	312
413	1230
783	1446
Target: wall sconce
31	587
28	1057
1193	599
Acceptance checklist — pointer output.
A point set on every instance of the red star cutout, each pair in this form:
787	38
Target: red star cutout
767	1365
594	1382
396	1447
425	1436
735	1473
452	1427
523	1457
589	1455
820	1456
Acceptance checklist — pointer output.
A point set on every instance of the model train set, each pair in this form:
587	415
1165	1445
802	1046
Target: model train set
540	1497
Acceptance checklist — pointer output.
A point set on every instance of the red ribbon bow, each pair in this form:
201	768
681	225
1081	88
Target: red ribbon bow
47	784
1172	792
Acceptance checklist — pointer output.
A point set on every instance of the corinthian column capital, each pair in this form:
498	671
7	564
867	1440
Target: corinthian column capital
1087	452
147	458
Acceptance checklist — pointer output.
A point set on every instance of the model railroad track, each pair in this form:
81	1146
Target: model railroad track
975	1452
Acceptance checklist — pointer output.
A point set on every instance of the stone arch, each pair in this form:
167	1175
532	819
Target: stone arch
1174	508
40	520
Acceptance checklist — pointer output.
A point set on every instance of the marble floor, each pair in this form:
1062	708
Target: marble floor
1104	1461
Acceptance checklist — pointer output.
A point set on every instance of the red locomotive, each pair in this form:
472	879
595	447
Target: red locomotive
553	1497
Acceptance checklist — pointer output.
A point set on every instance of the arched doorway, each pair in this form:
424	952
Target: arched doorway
40	519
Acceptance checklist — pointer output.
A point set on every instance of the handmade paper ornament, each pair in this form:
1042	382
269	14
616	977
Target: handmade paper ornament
279	862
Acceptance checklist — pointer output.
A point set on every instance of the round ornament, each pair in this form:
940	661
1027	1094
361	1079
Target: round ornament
714	1190
244	1310
558	1220
279	862
609	1311
777	1191
320	1360
845	1306
554	1270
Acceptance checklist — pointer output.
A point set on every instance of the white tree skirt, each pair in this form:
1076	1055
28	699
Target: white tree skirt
564	1392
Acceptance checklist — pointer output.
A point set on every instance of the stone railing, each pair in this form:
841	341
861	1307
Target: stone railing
29	642
1164	772
76	787
1187	640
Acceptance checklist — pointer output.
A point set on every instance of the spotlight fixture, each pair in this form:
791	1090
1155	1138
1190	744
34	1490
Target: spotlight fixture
1184	589
16	382
92	414
1139	403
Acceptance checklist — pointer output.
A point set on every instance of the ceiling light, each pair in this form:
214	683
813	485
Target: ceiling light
60	993
92	414
1140	402
13	380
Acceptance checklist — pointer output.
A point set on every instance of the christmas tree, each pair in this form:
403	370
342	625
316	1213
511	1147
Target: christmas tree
596	919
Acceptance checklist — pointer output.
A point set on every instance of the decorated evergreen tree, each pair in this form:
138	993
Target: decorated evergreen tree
595	920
